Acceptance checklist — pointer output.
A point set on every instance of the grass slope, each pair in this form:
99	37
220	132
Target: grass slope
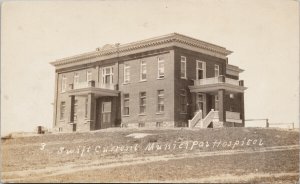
113	145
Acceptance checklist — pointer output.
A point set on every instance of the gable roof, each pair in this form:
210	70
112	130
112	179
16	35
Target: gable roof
118	50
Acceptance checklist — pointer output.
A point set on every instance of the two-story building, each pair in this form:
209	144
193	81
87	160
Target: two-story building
168	81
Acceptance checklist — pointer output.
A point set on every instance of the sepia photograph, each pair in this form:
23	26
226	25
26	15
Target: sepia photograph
162	91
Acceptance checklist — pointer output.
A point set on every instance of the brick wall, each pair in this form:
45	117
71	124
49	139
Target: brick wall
191	58
150	86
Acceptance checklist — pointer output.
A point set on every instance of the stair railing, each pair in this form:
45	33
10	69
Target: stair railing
196	119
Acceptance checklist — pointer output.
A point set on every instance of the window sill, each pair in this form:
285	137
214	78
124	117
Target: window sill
159	113
142	114
125	115
160	78
185	78
183	113
143	81
126	83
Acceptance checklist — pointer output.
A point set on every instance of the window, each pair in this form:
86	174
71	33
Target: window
161	67
76	80
126	73
183	67
216	102
160	101
200	70
62	110
86	107
88	76
126	104
75	109
143	75
183	101
217	70
64	83
107	75
142	102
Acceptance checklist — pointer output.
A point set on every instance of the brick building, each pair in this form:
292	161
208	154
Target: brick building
167	81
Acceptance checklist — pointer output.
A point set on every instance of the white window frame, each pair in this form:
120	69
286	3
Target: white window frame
203	68
143	64
159	104
143	98
126	99
76	80
62	110
217	70
88	76
63	83
183	60
183	95
110	74
126	77
86	106
160	60
75	114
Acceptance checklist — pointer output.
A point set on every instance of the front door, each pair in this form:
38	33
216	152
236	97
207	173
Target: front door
106	114
201	103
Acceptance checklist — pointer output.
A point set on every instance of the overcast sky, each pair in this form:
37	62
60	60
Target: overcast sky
263	35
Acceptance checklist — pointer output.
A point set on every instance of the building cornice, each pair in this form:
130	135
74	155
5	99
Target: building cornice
169	40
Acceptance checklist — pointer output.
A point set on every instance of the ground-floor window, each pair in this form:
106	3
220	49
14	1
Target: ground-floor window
75	109
160	101
142	102
126	104
62	110
183	101
86	107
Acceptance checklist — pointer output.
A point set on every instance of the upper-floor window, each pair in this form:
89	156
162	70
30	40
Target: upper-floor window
142	102
161	67
88	76
126	73
143	72
62	110
76	80
107	75
183	101
183	67
217	70
160	101
200	70
64	83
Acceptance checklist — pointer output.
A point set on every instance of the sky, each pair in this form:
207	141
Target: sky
263	35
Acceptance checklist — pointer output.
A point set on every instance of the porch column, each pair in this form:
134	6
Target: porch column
91	107
70	105
222	111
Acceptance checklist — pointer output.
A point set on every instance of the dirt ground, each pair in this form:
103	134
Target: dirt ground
252	155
